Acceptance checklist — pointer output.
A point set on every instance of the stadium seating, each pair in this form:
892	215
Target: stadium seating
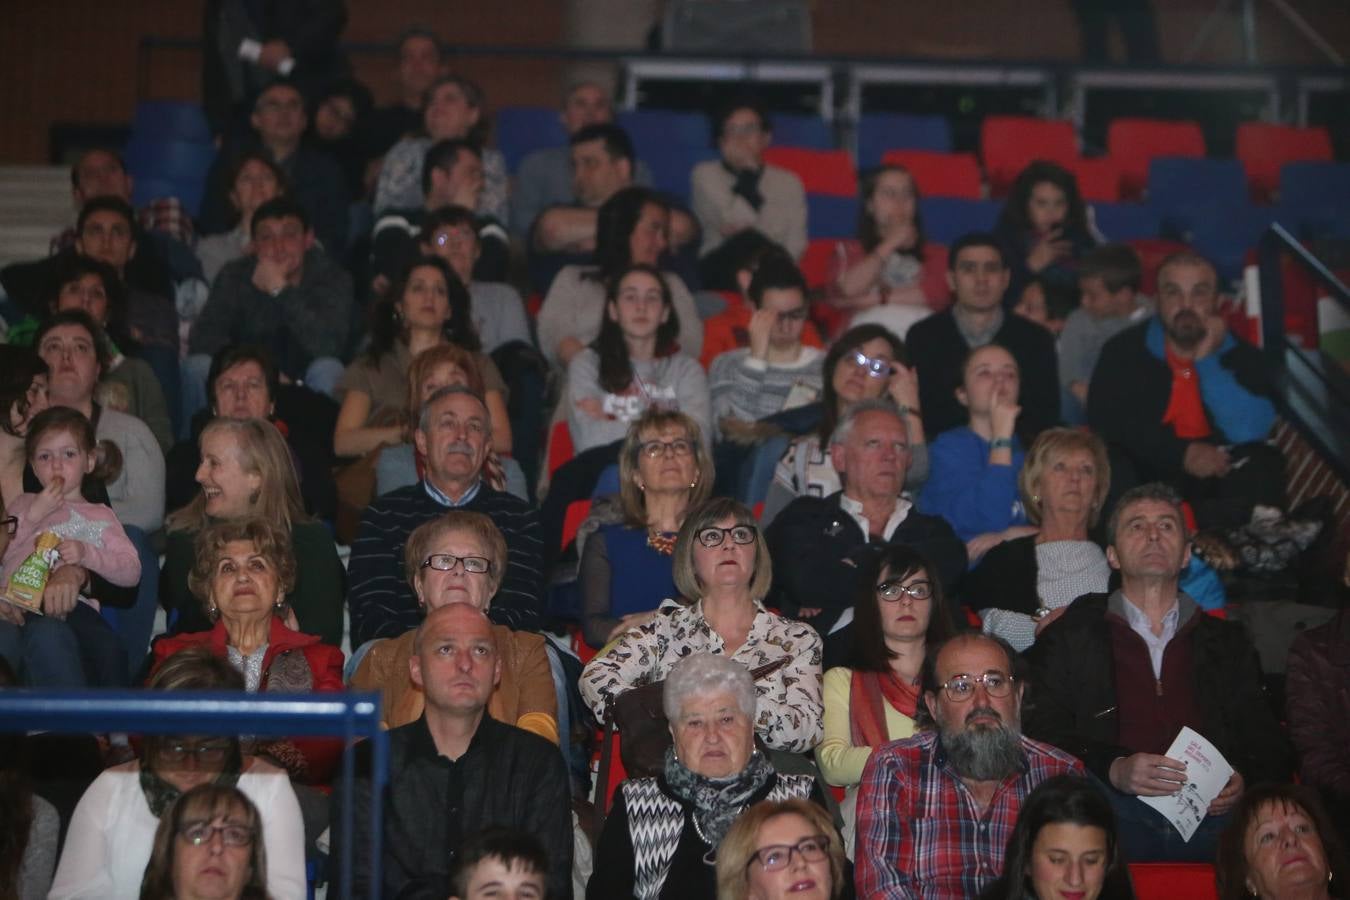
1184	192
879	132
168	168
947	218
827	172
1315	199
521	130
1263	148
1125	221
798	130
1134	143
1009	143
671	143
831	217
815	262
940	174
170	120
1098	178
1169	881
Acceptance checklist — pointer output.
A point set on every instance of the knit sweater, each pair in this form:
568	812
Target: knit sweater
750	389
130	386
972	494
137	493
380	600
721	212
667	382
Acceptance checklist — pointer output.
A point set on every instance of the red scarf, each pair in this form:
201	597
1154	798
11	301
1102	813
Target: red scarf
866	712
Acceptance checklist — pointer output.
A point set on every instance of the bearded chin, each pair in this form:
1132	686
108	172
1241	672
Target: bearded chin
989	753
1186	332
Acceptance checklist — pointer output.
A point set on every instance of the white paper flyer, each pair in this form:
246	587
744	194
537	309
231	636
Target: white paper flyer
1206	774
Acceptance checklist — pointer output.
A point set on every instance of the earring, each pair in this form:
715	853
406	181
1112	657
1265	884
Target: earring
693	484
279	606
213	613
641	486
1035	498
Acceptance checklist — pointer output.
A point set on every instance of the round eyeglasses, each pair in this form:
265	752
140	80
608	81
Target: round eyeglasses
779	856
892	590
198	833
655	449
712	536
962	687
876	368
444	562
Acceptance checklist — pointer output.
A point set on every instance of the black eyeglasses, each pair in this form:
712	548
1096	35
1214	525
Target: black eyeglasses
794	315
892	590
11	524
779	856
713	536
962	687
444	562
655	449
206	752
198	833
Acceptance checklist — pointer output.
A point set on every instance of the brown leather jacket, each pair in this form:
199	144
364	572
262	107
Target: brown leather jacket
523	698
1317	704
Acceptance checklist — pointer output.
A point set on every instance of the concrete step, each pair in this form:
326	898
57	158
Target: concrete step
34	204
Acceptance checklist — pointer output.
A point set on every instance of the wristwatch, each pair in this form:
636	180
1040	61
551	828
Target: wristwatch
1000	444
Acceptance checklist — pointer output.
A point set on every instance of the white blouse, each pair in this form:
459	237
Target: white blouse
113	831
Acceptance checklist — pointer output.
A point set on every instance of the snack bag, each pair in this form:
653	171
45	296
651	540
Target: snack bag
30	578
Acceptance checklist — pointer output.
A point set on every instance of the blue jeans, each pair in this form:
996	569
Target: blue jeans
1145	836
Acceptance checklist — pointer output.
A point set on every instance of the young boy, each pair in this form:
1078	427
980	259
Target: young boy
1109	279
500	863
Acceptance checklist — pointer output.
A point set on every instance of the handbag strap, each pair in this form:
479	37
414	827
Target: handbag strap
602	777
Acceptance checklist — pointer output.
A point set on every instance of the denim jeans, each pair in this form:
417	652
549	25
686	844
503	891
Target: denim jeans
79	651
1145	836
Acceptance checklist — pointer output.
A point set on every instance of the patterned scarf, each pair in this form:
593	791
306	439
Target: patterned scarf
716	801
868	691
159	793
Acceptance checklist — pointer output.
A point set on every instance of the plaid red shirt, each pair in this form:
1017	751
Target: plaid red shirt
919	832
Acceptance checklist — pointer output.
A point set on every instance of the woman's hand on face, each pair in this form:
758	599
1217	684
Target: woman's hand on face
761	329
49	499
904	385
1048	249
1003	413
903	237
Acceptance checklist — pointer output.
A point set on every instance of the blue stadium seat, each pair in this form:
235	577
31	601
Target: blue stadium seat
170	120
1225	239
169	169
947	218
1315	199
879	132
831	217
1125	221
797	130
1187	192
521	130
188	191
671	143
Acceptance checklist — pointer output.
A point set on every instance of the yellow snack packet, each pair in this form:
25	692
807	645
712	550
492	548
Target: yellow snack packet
30	578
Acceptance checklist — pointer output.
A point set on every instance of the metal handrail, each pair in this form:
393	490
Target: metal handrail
340	715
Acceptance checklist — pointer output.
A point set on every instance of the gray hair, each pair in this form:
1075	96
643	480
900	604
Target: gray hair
844	429
707	673
1154	490
424	414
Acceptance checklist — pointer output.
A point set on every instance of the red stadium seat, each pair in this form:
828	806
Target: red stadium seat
1134	143
940	174
560	446
1169	881
1263	148
1152	251
1098	179
576	513
1008	144
815	262
827	172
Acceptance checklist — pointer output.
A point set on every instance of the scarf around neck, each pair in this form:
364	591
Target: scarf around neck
159	794
869	692
716	801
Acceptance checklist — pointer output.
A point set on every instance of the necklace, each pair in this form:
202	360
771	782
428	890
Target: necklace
661	542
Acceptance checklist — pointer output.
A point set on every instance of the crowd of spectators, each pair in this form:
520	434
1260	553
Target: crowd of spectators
903	576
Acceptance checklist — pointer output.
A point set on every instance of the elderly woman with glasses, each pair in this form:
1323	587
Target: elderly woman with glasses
898	615
459	558
661	837
209	845
113	829
627	562
722	571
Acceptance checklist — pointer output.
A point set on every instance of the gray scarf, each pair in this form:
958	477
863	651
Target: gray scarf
716	801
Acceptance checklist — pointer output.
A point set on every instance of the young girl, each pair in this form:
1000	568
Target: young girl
62	451
634	364
1043	229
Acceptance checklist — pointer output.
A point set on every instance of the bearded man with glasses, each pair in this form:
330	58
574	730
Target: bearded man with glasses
935	811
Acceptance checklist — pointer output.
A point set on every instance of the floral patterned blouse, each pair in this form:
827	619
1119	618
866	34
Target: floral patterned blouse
790	709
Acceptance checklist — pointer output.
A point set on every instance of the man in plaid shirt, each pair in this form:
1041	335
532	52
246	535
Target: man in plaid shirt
935	810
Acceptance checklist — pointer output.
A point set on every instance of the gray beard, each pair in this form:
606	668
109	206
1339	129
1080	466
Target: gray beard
988	753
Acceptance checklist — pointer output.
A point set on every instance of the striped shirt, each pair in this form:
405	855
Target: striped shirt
920	831
380	599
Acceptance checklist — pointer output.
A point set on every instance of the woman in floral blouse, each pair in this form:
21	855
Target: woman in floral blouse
722	569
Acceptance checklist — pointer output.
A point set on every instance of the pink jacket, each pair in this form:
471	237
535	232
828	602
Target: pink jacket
108	550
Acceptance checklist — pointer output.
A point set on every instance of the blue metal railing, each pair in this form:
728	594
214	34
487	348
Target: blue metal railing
1314	392
347	716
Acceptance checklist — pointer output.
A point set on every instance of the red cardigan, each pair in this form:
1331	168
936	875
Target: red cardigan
321	755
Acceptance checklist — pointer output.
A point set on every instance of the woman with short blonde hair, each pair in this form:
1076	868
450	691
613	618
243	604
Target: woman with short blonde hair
744	857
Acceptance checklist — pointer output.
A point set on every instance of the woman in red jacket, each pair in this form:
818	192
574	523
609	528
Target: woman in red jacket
244	567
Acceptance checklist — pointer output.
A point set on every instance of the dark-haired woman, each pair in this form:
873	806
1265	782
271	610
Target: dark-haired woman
898	614
1280	844
890	264
632	228
428	307
1043	228
633	365
1064	845
863	363
253	179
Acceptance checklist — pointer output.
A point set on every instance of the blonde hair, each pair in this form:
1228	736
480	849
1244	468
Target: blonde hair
268	539
737	849
708	513
480	526
261	451
1050	445
632	500
426	362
